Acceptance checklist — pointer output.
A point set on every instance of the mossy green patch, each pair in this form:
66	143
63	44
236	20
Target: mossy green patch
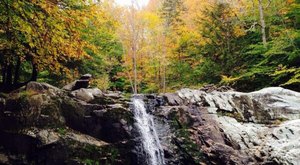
188	147
3	95
61	131
233	114
90	162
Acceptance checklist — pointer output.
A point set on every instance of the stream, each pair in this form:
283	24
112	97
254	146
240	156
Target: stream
150	144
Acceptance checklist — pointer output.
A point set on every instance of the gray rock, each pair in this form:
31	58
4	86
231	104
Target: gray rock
44	124
261	106
47	137
278	144
113	95
4	159
254	136
172	99
284	142
85	139
70	86
86	94
41	87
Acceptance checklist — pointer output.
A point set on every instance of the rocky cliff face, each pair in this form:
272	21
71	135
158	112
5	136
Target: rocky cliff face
221	126
41	124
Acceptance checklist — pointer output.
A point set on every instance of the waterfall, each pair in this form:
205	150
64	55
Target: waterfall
151	147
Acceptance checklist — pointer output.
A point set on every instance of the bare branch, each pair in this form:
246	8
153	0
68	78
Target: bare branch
269	3
252	27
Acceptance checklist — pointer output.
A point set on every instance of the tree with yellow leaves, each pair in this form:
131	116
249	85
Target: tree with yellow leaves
51	38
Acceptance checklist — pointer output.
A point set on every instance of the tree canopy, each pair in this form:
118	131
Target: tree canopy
167	45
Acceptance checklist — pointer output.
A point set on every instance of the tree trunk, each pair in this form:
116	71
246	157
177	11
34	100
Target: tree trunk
9	75
134	47
166	27
4	74
159	77
164	68
135	71
17	72
262	21
34	72
164	79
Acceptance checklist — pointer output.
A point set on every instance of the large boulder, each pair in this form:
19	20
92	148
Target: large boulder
41	87
41	124
35	105
221	126
57	146
86	95
264	106
278	144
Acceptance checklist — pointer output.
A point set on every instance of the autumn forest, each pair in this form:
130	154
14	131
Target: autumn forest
161	47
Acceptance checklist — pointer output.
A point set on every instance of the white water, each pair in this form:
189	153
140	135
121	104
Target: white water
149	139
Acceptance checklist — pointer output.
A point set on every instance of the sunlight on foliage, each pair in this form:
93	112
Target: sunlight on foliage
102	82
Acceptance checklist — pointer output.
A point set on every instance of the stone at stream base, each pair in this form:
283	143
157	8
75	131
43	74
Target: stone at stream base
83	82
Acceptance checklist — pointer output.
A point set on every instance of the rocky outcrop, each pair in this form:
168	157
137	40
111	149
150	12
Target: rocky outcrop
41	124
221	126
267	105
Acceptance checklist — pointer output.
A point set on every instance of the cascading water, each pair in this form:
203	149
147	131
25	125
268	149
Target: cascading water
151	147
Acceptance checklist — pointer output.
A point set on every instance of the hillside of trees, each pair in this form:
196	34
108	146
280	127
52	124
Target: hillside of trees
161	47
